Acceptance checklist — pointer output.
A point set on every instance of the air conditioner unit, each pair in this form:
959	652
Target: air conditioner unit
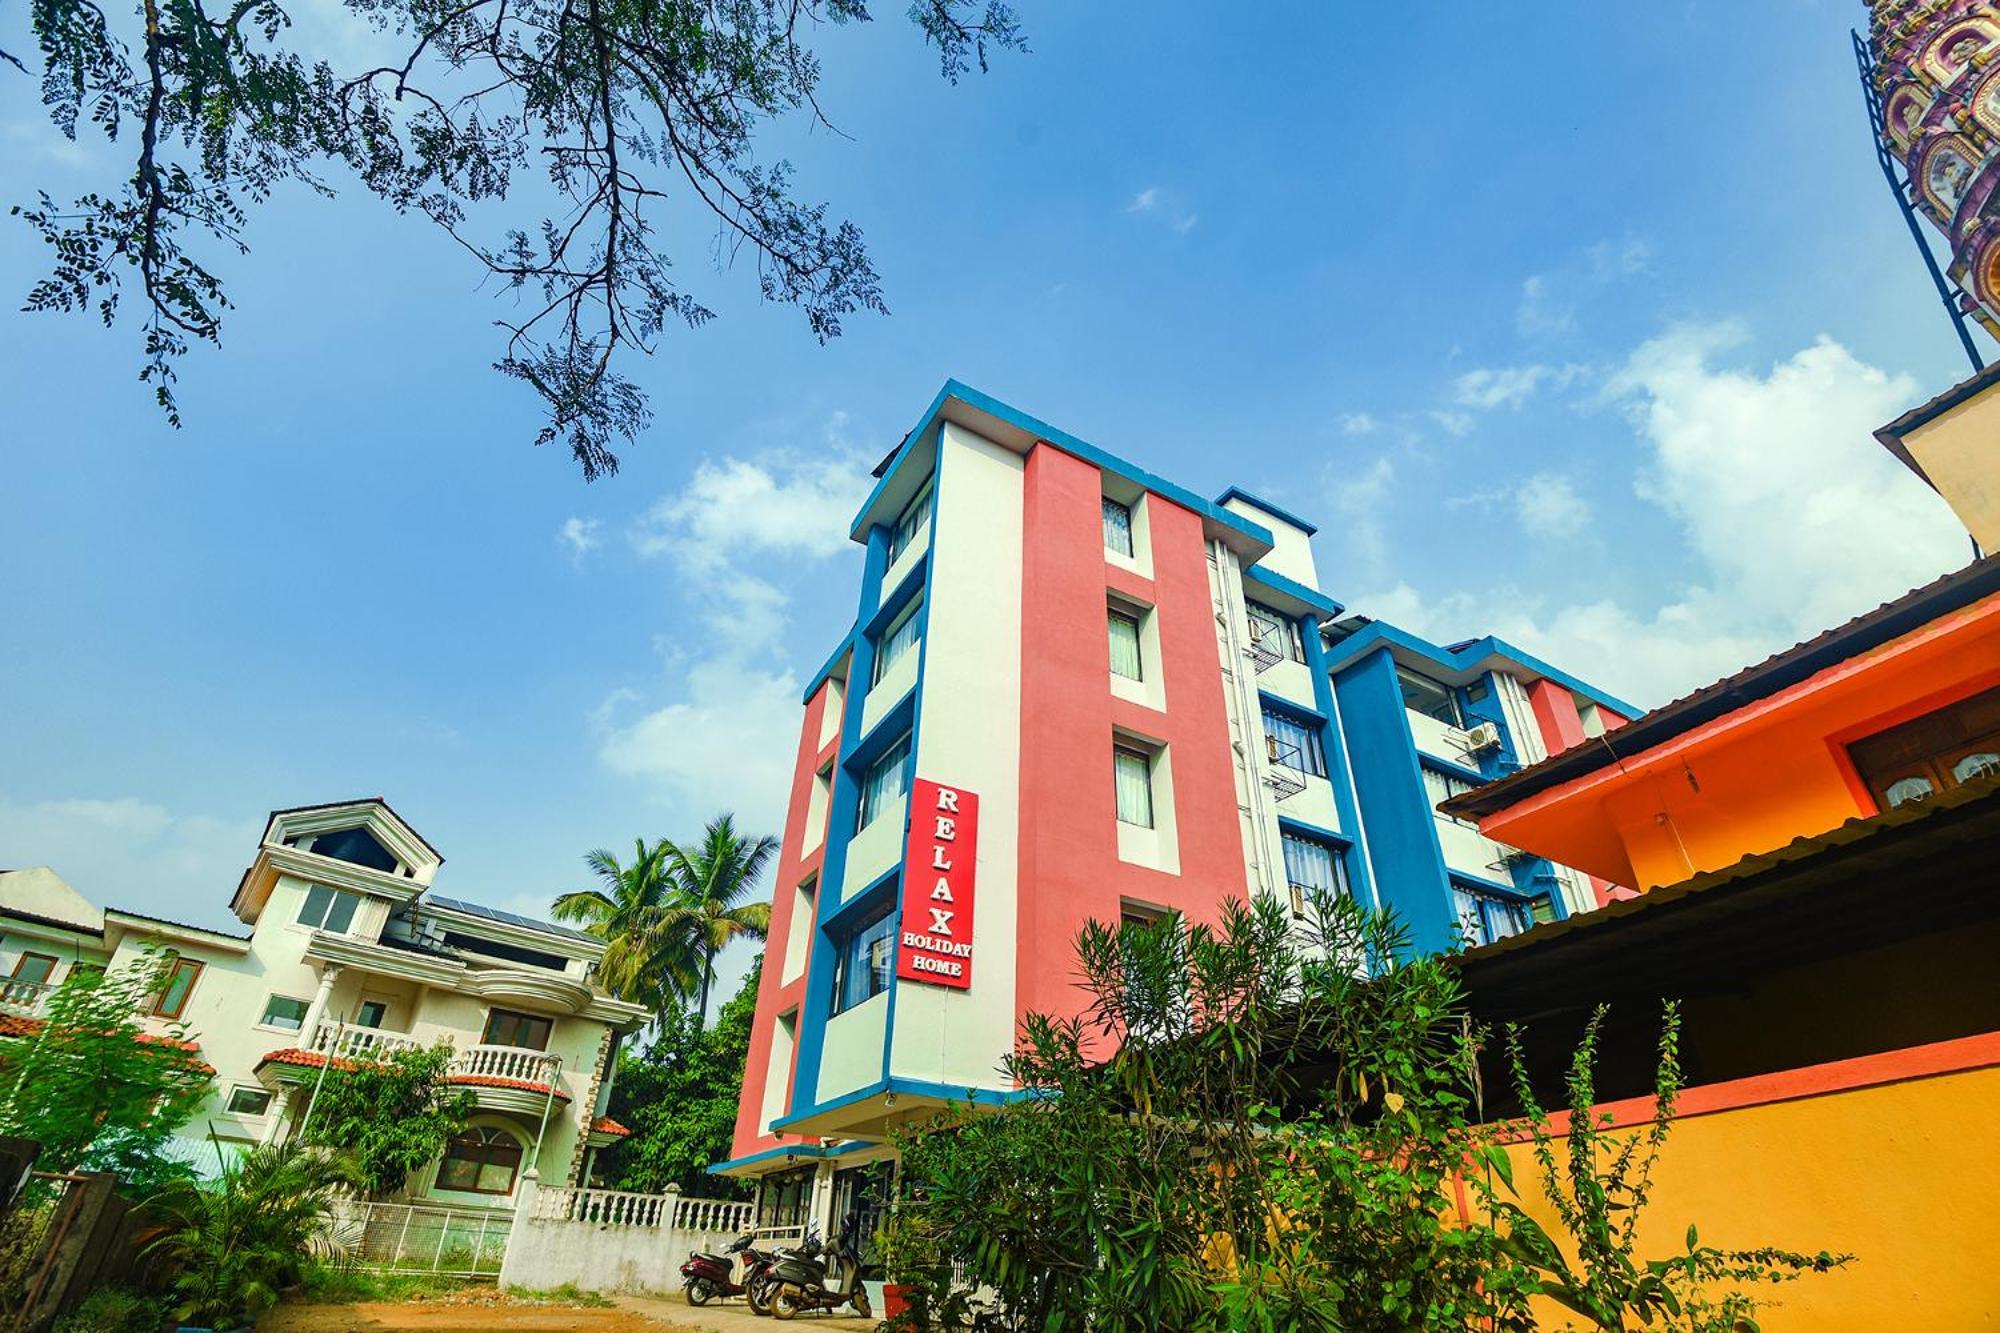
1483	737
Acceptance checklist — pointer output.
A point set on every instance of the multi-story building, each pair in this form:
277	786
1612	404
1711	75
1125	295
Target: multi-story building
349	953
1076	690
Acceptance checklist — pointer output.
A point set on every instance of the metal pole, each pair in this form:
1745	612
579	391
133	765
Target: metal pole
319	1080
555	1069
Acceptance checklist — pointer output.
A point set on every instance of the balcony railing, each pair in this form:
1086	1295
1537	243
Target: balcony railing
22	997
518	1063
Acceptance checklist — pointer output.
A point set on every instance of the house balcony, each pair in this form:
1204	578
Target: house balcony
23	999
500	1078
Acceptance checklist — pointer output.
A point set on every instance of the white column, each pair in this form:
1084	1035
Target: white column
316	1012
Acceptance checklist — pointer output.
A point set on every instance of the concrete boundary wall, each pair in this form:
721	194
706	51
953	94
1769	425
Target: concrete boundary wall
613	1240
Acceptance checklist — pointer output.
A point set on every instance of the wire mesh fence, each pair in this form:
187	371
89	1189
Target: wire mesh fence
417	1238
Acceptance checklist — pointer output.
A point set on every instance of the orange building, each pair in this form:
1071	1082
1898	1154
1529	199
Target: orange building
1817	838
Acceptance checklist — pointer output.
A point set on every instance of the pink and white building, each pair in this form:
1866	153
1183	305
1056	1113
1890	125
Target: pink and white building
1076	690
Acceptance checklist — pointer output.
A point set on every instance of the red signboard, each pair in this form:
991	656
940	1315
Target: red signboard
935	945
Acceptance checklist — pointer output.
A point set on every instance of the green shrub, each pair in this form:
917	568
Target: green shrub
341	1284
115	1310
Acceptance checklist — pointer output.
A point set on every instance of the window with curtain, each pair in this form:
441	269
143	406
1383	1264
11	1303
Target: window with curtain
1293	743
886	779
1432	698
911	523
1310	866
899	638
867	958
1915	760
1124	643
1132	771
1117	527
1275	632
1441	787
1488	917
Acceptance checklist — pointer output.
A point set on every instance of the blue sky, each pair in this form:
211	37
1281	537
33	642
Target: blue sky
1566	321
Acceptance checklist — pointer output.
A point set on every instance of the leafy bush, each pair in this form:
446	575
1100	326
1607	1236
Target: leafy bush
94	1088
394	1114
1599	1185
115	1310
235	1243
323	1283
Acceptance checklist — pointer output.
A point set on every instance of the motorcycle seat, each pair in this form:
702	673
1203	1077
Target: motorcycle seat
722	1259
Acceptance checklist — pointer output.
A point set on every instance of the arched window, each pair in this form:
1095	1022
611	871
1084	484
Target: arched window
480	1160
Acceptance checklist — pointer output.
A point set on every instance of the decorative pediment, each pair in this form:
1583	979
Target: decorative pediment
362	845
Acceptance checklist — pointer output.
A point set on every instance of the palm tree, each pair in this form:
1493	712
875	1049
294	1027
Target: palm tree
708	882
643	961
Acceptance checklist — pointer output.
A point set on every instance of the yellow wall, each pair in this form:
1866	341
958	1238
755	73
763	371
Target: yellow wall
1958	453
1898	1174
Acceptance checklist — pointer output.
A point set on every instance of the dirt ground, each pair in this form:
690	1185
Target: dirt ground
480	1313
487	1312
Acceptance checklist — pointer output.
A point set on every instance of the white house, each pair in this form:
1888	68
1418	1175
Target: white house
349	952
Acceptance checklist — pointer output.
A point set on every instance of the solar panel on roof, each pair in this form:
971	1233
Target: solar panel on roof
508	918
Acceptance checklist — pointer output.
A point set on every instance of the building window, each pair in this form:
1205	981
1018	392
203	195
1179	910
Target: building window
329	909
887	778
528	1032
248	1101
173	996
357	846
916	516
1488	917
1275	632
899	638
1132	772
1440	787
1312	866
1432	698
1117	527
866	959
371	1013
34	969
282	1011
1124	643
1293	744
1957	744
482	1160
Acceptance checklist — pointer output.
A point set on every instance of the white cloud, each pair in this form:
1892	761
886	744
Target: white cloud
131	853
1540	314
1548	505
579	537
1358	423
1452	422
727	745
1490	388
1611	260
780	503
726	738
1549	301
1144	201
1791	520
1185	224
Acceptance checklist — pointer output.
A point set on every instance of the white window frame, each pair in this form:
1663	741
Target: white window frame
1131	544
905	619
265	1022
1121	751
900	751
908	523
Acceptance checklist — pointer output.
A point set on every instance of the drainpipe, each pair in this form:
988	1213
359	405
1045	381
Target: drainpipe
555	1069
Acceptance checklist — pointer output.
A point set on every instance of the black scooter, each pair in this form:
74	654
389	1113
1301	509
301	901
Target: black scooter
801	1283
759	1280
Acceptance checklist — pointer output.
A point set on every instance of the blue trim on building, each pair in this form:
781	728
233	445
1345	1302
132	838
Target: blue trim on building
843	808
1484	884
1449	769
788	1150
826	668
1238	493
1298	712
1402	838
1068	443
1340	775
1259	577
1466	657
904	1087
897	598
1286	824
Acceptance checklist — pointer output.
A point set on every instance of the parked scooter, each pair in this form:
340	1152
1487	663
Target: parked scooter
758	1280
709	1277
802	1284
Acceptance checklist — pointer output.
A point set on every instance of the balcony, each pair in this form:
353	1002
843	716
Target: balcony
23	999
500	1078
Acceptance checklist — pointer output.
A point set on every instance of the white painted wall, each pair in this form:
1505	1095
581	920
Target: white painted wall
970	737
889	691
1438	739
851	1053
873	851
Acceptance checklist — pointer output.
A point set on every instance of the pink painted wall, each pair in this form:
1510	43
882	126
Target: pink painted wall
1070	871
774	997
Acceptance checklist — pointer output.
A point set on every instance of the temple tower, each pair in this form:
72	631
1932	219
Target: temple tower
1936	76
